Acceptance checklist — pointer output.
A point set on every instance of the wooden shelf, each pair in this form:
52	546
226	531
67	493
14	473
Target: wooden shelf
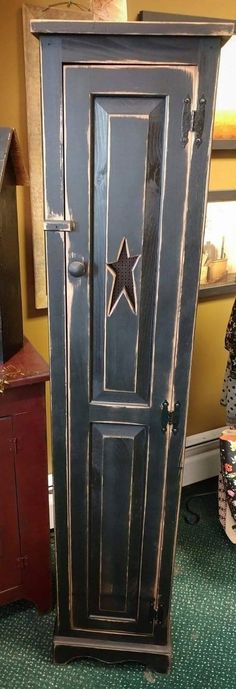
223	144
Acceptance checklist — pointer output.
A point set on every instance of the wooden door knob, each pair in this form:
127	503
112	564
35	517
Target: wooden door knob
77	268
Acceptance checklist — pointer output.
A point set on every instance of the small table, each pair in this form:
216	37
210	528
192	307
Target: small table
24	514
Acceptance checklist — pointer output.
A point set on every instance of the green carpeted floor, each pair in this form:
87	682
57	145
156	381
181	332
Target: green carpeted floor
203	626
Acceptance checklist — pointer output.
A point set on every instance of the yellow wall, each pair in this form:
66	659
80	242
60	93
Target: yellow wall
13	114
209	356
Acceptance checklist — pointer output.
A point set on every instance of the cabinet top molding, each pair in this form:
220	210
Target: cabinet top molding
52	26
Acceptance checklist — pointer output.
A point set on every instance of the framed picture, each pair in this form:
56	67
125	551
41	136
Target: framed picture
224	132
34	129
110	10
218	266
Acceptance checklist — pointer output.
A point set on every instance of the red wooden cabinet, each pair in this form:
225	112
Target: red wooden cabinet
24	518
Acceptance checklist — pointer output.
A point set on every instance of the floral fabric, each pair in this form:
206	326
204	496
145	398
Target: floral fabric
227	477
228	395
230	341
228	398
228	468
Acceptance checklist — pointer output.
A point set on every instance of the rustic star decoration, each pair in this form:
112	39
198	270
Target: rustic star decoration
122	272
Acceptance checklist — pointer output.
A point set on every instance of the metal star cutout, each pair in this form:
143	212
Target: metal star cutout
122	272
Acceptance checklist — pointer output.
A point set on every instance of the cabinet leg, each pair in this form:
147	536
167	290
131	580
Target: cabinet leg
41	597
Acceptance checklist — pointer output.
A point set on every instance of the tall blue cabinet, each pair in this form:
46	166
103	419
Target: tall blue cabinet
127	120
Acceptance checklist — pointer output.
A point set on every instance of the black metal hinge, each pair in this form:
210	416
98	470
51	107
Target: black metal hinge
156	612
193	120
23	561
170	418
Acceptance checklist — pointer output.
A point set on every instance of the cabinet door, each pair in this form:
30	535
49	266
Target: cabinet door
126	186
10	572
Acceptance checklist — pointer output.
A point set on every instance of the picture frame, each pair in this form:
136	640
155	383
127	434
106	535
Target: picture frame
224	132
34	132
218	266
99	10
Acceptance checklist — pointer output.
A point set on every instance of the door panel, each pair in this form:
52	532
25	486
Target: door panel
10	572
122	158
118	472
127	169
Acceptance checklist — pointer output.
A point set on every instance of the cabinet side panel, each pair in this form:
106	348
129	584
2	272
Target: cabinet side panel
209	53
55	250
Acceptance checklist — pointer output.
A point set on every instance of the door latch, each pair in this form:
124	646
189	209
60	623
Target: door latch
59	225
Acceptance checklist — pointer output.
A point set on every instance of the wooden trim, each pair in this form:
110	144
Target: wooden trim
157	657
112	645
222	195
171	28
223	144
220	291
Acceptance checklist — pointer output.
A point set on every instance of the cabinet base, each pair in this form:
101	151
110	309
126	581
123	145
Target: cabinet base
41	599
67	648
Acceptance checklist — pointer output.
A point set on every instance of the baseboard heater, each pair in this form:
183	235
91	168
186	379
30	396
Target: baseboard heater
202	461
202	456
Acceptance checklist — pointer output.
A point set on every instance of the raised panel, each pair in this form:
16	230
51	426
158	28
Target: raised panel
117	480
128	138
10	572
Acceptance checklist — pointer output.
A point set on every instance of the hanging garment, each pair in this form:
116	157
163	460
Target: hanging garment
227	483
225	516
227	476
230	335
228	398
